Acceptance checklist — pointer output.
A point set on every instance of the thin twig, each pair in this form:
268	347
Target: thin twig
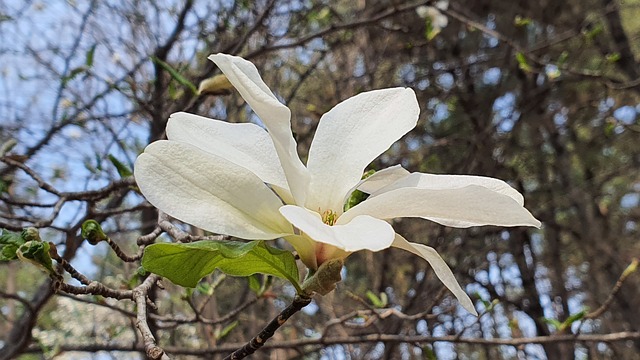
258	341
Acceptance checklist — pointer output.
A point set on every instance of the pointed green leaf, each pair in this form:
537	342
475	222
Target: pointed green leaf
90	55
123	170
562	59
255	284
522	62
226	330
377	301
571	319
186	264
9	244
73	73
557	325
176	75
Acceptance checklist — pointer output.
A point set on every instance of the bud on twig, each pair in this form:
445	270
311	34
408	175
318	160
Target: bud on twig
92	231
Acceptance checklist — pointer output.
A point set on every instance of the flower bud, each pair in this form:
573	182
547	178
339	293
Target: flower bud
92	231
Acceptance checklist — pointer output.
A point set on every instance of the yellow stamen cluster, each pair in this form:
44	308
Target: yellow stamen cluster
329	217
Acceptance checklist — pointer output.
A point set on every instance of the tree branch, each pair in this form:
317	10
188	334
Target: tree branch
258	341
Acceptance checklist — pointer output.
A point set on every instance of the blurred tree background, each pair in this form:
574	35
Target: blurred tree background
545	95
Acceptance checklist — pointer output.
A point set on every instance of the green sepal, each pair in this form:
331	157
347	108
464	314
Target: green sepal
186	264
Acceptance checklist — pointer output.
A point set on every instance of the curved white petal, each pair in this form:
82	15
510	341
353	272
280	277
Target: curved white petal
247	145
350	136
382	178
471	205
362	232
276	117
440	267
437	182
209	192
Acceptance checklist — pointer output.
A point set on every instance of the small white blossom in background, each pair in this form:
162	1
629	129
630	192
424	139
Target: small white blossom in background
248	182
95	324
436	21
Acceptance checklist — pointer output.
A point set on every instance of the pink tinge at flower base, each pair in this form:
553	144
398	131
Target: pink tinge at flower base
248	182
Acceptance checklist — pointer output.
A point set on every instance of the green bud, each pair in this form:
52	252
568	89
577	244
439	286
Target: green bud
31	234
92	231
7	146
631	268
216	85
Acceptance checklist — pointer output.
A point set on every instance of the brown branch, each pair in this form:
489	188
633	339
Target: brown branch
32	174
334	28
151	348
528	53
121	254
68	267
258	341
605	305
372	338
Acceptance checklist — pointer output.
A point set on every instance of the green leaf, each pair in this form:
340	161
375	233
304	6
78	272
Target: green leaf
593	31
176	75
562	59
428	353
186	264
378	302
73	73
430	32
613	57
226	330
522	62
357	196
571	319
522	21
609	128
553	322
9	244
90	55
123	170
205	289
255	284
37	253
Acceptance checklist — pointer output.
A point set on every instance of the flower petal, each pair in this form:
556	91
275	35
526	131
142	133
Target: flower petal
350	136
362	232
209	191
306	249
440	267
247	145
437	182
472	205
276	117
382	178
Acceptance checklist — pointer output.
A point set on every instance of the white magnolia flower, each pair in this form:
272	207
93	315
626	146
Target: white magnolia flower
243	181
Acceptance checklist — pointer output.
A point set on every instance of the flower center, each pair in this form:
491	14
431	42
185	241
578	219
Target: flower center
329	217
